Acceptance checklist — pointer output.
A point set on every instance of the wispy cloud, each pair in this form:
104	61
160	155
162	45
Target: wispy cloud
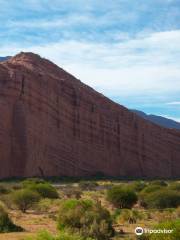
129	50
170	117
142	64
173	103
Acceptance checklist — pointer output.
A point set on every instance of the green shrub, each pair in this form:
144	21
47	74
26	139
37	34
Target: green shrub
85	217
6	225
162	199
45	190
44	205
24	199
174	186
32	181
130	216
121	197
158	183
7	200
151	188
137	186
168	225
146	191
4	189
165	215
73	193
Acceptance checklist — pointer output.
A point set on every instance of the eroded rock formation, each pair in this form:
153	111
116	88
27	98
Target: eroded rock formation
52	124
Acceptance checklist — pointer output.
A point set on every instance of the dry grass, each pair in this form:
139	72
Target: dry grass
31	223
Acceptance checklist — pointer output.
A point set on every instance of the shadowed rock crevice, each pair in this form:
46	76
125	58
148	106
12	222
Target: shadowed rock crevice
18	140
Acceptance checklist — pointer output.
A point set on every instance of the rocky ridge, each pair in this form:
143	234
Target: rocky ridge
52	124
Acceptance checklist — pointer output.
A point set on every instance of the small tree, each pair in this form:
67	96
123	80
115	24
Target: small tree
25	199
121	197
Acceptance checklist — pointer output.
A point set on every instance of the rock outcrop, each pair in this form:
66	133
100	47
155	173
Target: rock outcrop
51	124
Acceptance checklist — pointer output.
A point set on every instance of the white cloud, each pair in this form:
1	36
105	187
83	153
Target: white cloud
147	64
170	117
173	103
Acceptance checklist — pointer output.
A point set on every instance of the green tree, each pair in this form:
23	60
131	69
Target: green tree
25	199
121	197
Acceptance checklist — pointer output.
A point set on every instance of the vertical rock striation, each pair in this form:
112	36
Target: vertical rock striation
51	124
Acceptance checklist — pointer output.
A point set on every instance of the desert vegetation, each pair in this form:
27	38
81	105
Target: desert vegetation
37	209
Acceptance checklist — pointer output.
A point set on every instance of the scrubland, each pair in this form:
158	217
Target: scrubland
37	209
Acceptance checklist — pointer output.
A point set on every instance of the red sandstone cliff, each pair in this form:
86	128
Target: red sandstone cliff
52	124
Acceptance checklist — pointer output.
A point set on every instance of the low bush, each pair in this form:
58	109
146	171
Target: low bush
137	186
158	183
24	199
121	197
85	217
4	189
149	190
44	205
130	216
6	225
45	189
7	200
162	199
165	215
168	225
32	181
73	193
174	186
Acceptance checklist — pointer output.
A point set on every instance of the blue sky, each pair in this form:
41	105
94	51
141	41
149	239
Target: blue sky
127	49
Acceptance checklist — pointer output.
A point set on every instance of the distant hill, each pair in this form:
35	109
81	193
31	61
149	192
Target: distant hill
4	58
162	121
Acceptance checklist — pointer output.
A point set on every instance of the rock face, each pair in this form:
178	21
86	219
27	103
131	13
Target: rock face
51	124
